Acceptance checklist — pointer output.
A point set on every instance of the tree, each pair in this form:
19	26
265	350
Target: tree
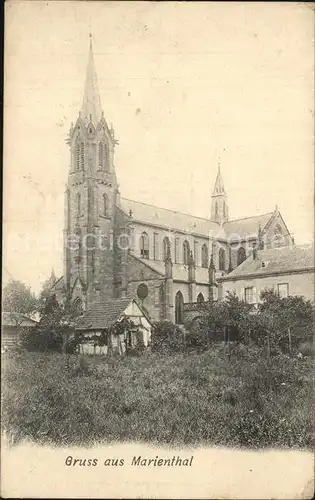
53	331
167	337
227	320
284	321
18	300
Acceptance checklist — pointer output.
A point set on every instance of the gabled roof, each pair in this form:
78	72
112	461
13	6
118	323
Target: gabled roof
168	219
103	314
247	226
274	261
12	319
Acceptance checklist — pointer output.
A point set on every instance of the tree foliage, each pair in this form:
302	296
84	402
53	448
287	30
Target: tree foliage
18	299
55	326
167	337
276	323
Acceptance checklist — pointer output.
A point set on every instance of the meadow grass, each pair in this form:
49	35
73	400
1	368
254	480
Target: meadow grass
183	399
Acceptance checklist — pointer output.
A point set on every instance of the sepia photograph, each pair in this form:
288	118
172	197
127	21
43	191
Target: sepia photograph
158	250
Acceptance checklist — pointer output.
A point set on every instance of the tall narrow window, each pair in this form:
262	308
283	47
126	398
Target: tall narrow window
156	246
166	247
186	252
106	157
101	155
144	246
105	205
241	255
176	250
196	257
221	259
78	204
216	209
204	255
200	298
77	156
82	155
179	308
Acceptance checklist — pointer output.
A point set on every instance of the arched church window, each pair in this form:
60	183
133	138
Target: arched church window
144	246
82	155
77	307
78	204
179	308
216	209
278	231
241	255
186	252
105	205
204	255
221	259
200	298
166	247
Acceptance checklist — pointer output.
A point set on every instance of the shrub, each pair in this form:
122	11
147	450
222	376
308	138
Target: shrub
41	339
167	337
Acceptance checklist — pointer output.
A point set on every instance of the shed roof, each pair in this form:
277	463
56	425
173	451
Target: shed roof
104	314
14	318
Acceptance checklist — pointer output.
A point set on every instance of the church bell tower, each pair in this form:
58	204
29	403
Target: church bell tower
91	191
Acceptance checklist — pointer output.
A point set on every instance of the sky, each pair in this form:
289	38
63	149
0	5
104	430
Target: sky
183	84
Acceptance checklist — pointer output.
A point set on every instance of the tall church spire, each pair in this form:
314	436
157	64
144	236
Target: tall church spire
219	207
91	105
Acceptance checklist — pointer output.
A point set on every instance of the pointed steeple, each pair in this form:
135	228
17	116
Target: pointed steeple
219	207
219	186
91	105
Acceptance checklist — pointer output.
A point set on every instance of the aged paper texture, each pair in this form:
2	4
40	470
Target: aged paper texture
158	264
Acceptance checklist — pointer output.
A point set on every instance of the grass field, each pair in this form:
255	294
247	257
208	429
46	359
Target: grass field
245	401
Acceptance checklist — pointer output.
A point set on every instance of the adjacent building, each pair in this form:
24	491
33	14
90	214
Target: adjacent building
12	325
286	270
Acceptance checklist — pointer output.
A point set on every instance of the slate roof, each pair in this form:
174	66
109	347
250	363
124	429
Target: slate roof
247	226
276	260
172	219
180	271
169	219
10	319
103	314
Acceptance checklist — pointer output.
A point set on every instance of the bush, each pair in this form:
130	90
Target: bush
40	339
167	337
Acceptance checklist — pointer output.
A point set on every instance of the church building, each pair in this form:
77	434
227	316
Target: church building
117	248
